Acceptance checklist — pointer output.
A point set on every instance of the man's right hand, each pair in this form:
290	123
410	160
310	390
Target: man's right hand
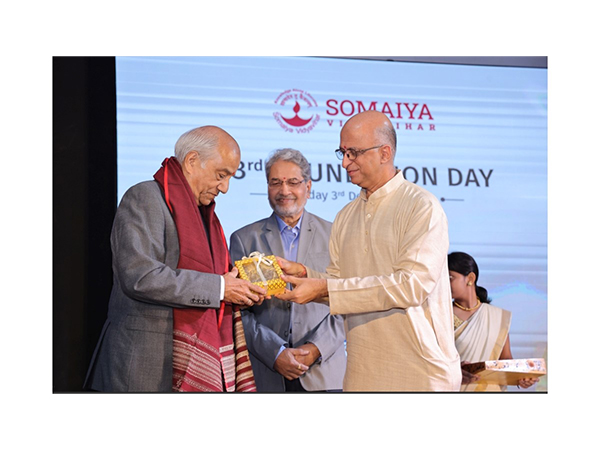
287	364
291	268
242	292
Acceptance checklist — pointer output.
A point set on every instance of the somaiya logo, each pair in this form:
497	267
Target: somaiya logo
295	112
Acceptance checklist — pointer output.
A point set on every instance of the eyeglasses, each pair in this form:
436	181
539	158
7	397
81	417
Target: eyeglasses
351	153
292	182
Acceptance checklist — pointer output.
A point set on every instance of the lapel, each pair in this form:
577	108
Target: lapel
307	233
272	237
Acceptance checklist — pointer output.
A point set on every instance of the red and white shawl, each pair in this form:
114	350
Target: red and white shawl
209	350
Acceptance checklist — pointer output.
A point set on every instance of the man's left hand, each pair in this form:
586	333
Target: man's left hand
305	289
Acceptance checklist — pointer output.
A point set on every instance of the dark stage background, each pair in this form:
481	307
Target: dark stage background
83	207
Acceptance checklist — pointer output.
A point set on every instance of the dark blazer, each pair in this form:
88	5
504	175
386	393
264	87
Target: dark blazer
135	349
267	326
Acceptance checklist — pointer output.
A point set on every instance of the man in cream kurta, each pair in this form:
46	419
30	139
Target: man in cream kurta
388	274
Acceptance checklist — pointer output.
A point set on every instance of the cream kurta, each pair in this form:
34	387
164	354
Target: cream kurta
389	278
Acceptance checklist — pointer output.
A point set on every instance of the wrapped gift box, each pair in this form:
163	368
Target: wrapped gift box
507	371
263	271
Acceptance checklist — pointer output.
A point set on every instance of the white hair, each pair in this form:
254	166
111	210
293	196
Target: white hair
202	140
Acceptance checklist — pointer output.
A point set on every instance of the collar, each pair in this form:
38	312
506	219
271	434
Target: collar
388	187
282	225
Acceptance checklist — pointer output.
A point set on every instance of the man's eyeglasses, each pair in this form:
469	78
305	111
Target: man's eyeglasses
292	182
351	153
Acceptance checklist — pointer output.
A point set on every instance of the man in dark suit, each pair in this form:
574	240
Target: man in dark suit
170	261
292	347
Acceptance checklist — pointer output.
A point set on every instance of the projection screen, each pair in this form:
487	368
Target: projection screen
475	136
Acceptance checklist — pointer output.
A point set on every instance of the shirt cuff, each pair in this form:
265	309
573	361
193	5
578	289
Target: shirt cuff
222	294
282	348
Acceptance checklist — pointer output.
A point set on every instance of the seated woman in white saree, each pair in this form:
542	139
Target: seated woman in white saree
480	329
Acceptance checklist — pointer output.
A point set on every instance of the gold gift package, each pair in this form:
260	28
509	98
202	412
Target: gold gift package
263	271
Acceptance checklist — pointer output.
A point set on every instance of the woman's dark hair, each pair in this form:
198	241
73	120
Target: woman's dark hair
464	264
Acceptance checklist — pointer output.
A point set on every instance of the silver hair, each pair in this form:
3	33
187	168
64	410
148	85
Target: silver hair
291	155
202	140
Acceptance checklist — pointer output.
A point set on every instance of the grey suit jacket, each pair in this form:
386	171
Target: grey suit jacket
267	326
135	349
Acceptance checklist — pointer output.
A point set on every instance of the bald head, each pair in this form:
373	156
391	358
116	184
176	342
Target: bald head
370	143
375	125
207	141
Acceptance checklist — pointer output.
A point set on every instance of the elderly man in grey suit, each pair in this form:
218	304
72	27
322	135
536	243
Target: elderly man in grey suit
170	260
292	347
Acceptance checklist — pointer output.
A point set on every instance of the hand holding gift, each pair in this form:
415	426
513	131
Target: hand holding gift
242	292
305	289
291	268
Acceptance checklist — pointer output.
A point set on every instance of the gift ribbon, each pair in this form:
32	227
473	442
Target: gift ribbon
260	259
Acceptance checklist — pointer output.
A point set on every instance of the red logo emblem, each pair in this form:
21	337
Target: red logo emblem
296	111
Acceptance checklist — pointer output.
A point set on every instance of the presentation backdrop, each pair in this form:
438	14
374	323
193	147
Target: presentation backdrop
475	136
